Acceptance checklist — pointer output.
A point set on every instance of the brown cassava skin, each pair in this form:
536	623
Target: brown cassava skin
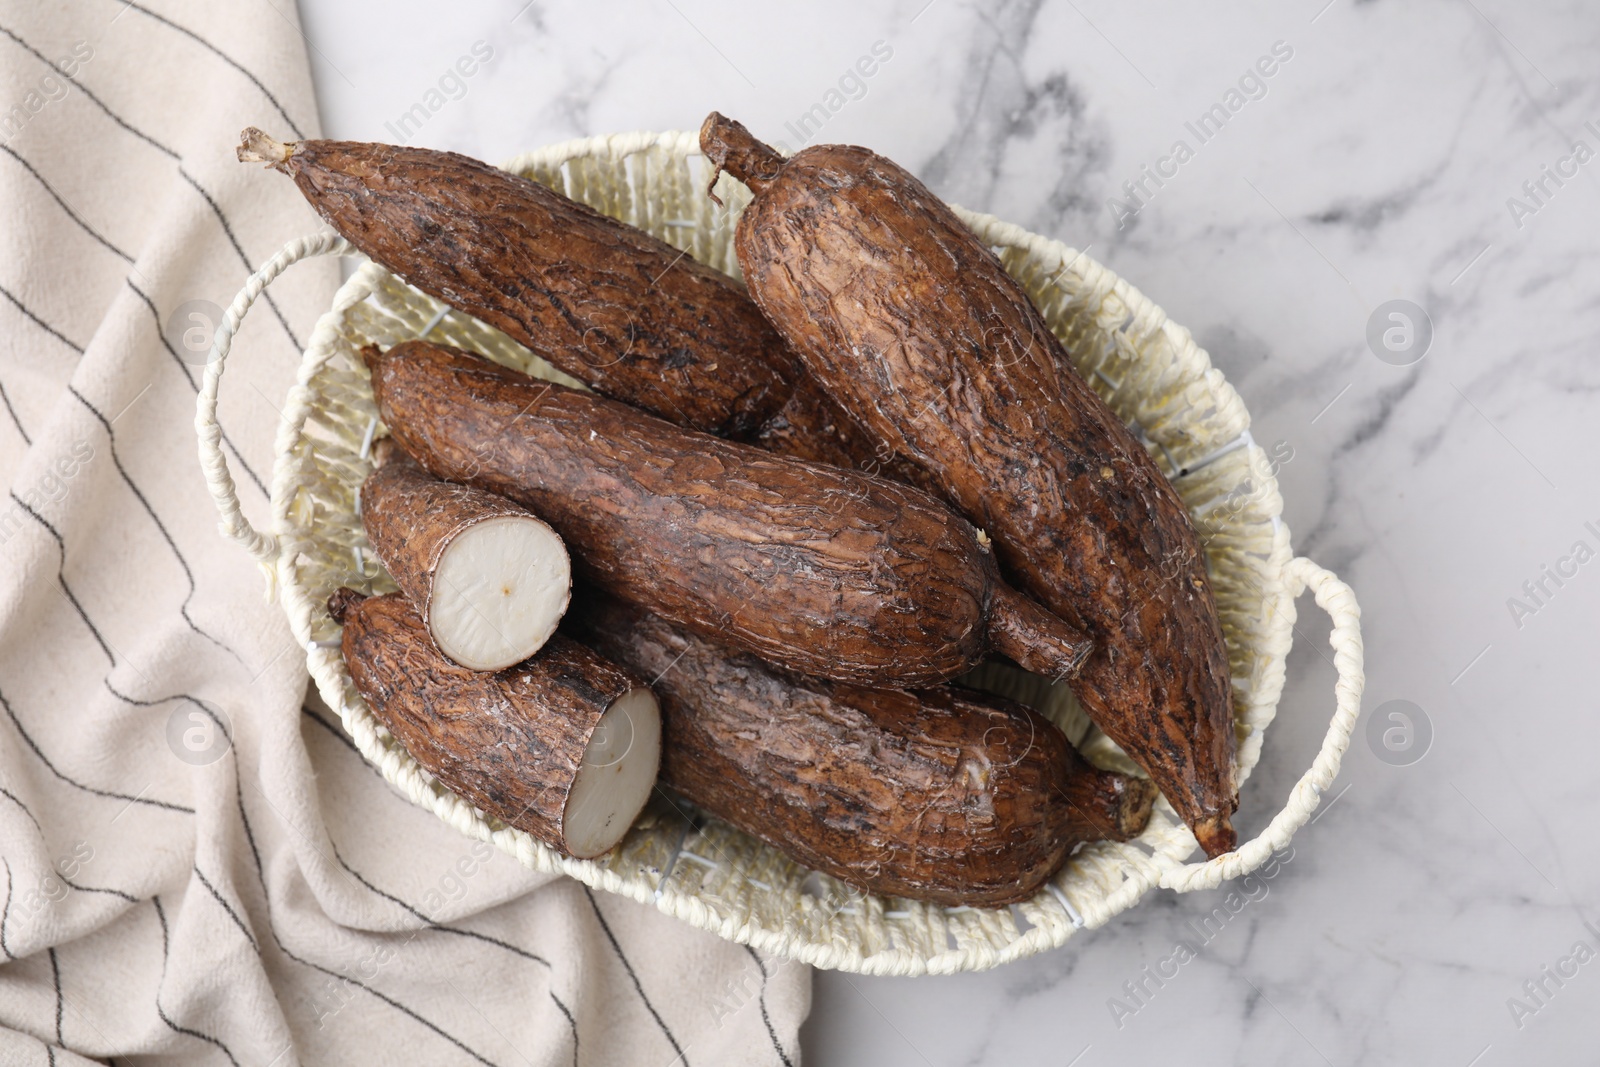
945	795
410	517
811	426
818	569
620	310
911	323
509	741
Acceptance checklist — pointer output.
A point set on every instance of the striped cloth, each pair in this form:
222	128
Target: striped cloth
197	865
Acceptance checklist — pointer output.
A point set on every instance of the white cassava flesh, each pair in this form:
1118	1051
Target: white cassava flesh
500	588
618	772
564	746
490	580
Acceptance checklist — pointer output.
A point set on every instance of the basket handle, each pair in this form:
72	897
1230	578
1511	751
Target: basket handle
263	546
1337	599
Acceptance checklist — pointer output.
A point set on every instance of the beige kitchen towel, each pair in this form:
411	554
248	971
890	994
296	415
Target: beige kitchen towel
198	867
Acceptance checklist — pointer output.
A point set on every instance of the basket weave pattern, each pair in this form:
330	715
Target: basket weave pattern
1146	367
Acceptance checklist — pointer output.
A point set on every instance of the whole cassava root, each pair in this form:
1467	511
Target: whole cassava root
620	310
905	317
945	795
489	579
565	746
818	569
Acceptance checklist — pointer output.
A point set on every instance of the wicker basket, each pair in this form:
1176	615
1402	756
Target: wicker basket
703	871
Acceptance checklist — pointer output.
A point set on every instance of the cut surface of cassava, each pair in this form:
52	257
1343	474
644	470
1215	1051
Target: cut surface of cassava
565	746
944	795
620	310
822	570
906	319
490	580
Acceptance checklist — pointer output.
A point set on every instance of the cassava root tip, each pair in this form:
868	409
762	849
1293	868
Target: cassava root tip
342	600
257	147
1216	834
385	451
731	147
1139	796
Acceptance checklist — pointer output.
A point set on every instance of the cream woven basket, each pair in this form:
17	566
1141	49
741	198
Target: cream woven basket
701	870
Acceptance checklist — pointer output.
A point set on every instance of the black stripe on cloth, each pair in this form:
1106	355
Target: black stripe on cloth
129	897
51	1052
174	1026
249	836
777	1046
61	576
156	314
9	795
215	209
37	321
344	739
184	367
187	698
90	230
13	412
41	57
51	767
395	1004
617	947
235	64
278	941
234	915
5	916
244	257
136	702
338	734
573	1023
188	574
55	974
430	924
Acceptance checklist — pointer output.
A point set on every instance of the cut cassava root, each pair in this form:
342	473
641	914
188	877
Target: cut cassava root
565	746
824	571
944	795
620	310
489	579
913	326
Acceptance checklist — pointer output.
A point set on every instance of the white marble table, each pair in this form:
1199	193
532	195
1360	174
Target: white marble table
1420	152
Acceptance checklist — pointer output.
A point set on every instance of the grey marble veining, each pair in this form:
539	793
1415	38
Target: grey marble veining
1426	152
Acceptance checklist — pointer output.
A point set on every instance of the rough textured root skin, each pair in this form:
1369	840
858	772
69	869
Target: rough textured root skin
818	569
511	742
609	304
914	327
622	311
812	426
411	517
1024	631
944	795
